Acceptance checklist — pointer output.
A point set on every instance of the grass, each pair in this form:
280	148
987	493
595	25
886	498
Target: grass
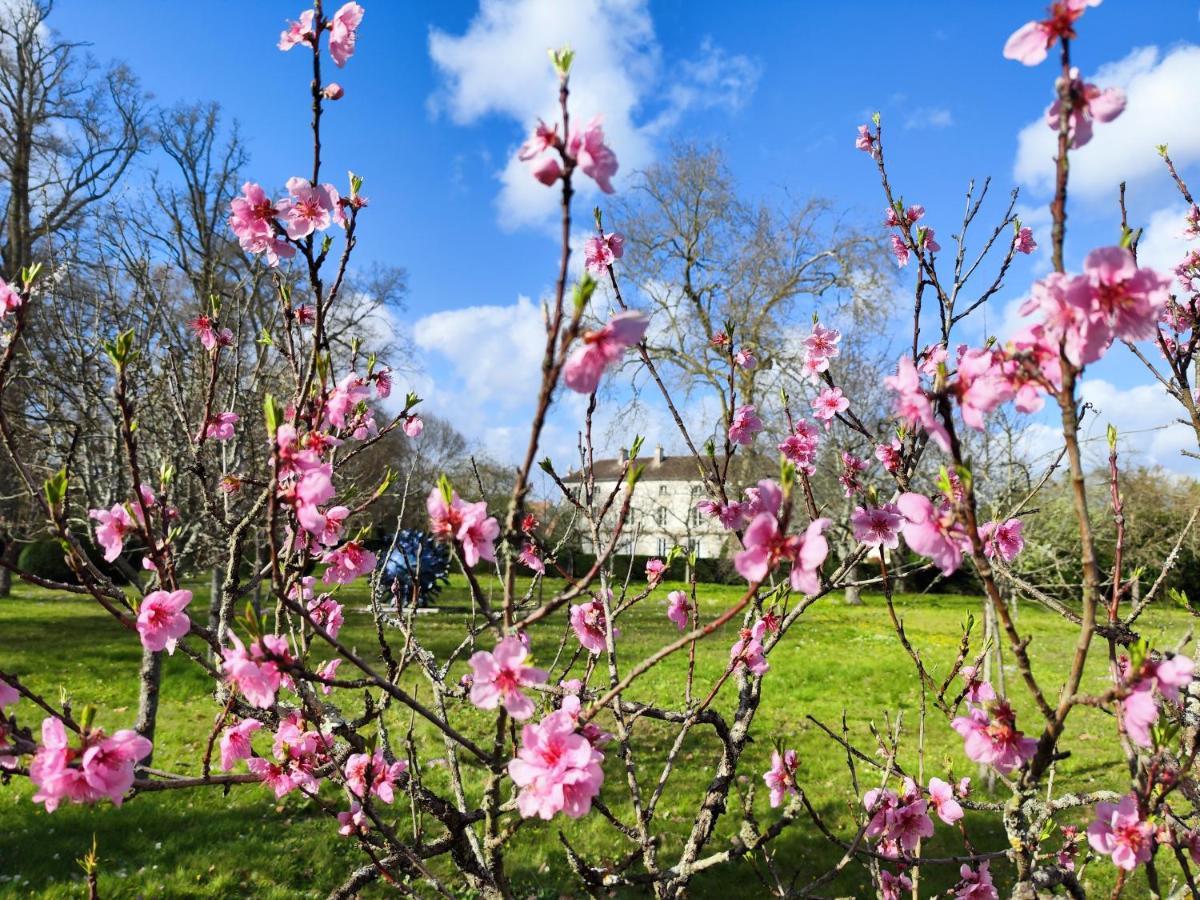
244	843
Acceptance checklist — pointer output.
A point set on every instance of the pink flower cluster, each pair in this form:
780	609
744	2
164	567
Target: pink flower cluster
590	623
161	620
600	349
744	425
297	753
1088	104
899	822
800	447
372	772
781	777
820	347
10	300
276	227
497	678
1121	831
584	148
601	251
1164	677
466	524
343	28
990	736
748	649
556	768
1030	43
766	546
256	672
99	767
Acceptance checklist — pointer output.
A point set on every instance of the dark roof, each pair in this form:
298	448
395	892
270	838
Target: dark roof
672	468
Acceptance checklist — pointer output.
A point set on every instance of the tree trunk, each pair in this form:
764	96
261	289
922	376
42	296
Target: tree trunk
10	553
149	681
217	583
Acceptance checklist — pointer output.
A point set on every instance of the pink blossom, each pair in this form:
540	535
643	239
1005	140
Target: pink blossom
353	820
333	91
547	171
866	141
530	559
101	767
1129	299
344	399
342	32
1023	242
889	455
382	774
347	563
745	359
894	887
253	673
113	525
1139	710
298	32
543	138
161	621
744	426
594	158
599	252
600	349
941	796
1030	43
499	676
800	447
679	607
589	623
903	821
1004	538
1088	103
10	300
931	531
900	250
819	348
975	884
328	672
877	526
655	568
556	768
413	426
977	691
994	740
235	742
747	650
277	777
326	614
310	207
912	405
1120	831
325	526
1069	319
781	777
220	426
252	219
829	403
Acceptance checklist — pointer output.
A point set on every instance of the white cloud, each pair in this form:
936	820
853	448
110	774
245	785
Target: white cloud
1159	91
493	352
928	117
499	67
1162	244
1145	416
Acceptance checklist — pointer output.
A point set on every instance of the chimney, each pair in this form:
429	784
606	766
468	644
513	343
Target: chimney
623	455
658	455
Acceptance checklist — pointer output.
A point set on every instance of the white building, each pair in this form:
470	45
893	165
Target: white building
664	512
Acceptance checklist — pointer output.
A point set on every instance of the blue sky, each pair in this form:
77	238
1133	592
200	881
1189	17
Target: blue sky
439	95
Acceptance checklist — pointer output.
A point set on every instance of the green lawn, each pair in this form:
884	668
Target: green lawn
204	843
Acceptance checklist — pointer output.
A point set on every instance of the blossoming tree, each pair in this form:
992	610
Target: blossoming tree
299	710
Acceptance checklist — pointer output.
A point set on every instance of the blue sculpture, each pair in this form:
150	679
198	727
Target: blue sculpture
415	556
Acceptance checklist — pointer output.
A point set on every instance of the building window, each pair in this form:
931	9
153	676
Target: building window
662	489
662	546
660	515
